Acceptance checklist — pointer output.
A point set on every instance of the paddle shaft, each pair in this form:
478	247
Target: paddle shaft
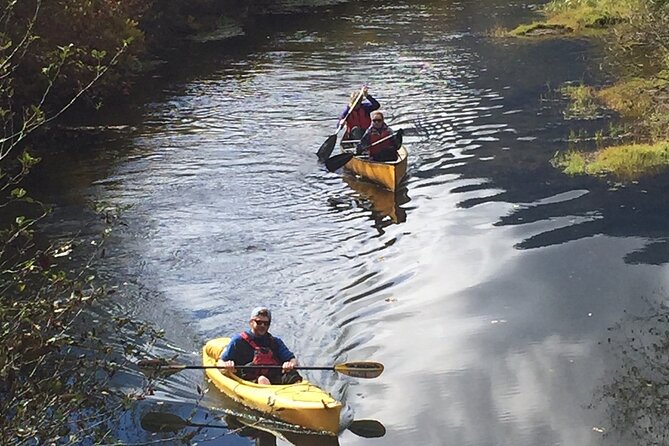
356	369
380	140
243	367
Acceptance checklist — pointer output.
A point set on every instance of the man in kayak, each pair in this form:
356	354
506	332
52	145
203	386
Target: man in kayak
385	150
358	120
257	346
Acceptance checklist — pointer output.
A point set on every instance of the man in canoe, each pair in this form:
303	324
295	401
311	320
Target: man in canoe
256	346
379	140
358	120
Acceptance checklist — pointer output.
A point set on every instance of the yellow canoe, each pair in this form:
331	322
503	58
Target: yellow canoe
389	174
302	404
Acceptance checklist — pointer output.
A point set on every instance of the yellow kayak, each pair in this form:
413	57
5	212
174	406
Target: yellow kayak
302	404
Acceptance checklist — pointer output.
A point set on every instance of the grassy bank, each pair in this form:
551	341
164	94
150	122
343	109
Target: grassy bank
634	35
624	162
581	17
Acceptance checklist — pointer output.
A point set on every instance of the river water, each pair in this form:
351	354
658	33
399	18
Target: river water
499	293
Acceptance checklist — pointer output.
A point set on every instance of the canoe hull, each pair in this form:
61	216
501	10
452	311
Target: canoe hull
301	404
387	174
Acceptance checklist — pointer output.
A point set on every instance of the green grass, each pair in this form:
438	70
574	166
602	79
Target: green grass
583	102
627	163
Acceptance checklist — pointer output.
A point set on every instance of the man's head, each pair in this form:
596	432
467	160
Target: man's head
377	118
261	317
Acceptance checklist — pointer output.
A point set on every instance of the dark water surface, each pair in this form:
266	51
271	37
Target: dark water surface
488	286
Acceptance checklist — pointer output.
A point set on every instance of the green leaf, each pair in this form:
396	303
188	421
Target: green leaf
27	160
98	54
18	193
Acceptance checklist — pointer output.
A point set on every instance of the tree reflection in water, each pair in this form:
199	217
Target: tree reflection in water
635	396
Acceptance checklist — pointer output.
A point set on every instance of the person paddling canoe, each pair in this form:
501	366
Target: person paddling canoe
386	148
358	120
256	346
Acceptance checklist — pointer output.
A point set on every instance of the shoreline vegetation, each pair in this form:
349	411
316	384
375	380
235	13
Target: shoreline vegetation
60	350
635	36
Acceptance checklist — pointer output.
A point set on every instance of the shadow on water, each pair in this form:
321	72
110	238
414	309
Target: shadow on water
581	207
511	148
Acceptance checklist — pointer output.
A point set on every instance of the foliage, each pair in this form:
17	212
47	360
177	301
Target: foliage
55	364
54	367
45	67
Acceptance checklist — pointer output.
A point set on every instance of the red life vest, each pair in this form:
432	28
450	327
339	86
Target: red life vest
358	118
376	135
261	356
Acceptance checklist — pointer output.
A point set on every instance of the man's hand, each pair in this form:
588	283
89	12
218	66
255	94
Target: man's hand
289	365
364	91
229	366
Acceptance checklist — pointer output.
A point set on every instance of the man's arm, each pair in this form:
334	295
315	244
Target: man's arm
227	358
372	104
342	116
283	354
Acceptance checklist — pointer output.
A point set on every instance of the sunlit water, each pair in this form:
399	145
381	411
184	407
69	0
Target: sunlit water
485	285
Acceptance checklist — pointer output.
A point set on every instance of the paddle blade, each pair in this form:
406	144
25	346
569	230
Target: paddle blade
338	161
360	369
326	148
162	422
368	428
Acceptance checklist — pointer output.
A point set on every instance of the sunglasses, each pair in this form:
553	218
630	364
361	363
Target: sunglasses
377	120
261	323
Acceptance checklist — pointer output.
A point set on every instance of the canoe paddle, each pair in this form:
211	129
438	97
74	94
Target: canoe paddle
167	422
341	159
326	148
356	369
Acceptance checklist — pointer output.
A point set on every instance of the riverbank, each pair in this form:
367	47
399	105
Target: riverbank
636	53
